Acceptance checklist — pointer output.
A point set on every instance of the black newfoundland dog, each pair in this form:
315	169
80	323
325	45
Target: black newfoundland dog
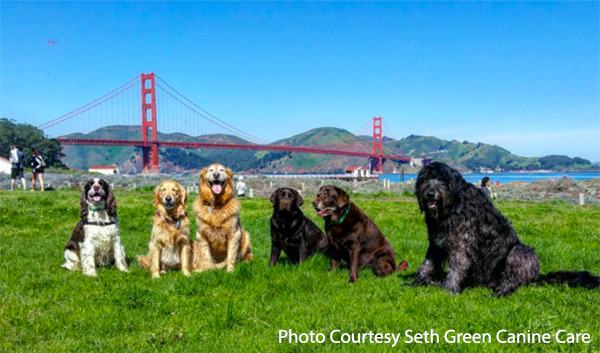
478	242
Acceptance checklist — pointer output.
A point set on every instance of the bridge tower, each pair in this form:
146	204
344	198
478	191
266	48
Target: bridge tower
377	162
150	148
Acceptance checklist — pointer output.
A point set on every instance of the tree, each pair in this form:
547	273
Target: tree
28	137
555	161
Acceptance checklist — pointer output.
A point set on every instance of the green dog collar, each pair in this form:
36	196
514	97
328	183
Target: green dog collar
342	218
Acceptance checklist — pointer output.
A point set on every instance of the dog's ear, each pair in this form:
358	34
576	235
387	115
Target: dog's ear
274	196
83	202
299	199
421	201
456	184
229	177
111	201
202	172
184	194
156	195
458	197
454	203
418	190
342	197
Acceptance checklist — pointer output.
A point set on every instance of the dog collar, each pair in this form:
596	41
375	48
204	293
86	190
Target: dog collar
99	223
209	204
177	224
94	209
342	218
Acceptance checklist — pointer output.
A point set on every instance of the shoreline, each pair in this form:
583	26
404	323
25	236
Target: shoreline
562	188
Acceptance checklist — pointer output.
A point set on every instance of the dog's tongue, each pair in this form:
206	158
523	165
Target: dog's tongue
322	213
216	188
96	198
431	204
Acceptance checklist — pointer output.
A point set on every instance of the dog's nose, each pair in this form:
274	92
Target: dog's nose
430	194
96	188
168	198
216	175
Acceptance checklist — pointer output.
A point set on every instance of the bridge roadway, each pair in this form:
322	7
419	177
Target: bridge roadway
272	148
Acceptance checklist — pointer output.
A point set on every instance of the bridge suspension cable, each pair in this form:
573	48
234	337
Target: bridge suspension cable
114	120
389	131
91	104
363	129
208	116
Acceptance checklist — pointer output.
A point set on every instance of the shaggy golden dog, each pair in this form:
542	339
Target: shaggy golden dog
221	240
170	246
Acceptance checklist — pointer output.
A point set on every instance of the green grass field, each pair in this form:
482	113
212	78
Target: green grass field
45	308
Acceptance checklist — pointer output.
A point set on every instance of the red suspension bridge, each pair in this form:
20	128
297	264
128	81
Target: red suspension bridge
137	101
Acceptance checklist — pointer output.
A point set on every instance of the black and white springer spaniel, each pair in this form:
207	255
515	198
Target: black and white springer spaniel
96	240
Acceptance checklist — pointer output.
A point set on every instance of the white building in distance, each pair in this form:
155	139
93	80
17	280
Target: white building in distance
357	172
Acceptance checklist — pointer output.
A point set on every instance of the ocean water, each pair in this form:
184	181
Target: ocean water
503	178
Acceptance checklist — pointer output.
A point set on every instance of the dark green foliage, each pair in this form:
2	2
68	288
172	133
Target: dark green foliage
472	156
557	161
184	158
81	157
319	136
463	155
28	137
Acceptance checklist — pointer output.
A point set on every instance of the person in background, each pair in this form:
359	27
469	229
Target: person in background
37	169
486	186
16	169
240	187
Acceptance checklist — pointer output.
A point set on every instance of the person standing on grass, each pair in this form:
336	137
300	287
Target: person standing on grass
240	187
37	169
16	169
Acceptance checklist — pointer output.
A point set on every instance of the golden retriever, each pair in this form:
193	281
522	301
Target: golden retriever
170	245
221	240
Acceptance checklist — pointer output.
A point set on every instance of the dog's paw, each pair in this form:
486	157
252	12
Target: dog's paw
421	281
69	267
500	293
453	289
156	275
218	266
186	273
91	273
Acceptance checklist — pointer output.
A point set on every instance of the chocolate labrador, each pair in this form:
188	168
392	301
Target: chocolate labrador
291	230
352	236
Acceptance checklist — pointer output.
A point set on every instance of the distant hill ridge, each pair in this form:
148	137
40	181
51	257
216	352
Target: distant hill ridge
463	155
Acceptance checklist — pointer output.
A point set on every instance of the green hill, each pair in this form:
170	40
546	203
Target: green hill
473	156
463	155
333	137
320	136
81	157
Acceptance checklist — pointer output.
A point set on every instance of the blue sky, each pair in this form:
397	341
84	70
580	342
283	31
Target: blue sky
522	75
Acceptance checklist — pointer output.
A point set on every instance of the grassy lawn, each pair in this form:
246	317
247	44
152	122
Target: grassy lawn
48	309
